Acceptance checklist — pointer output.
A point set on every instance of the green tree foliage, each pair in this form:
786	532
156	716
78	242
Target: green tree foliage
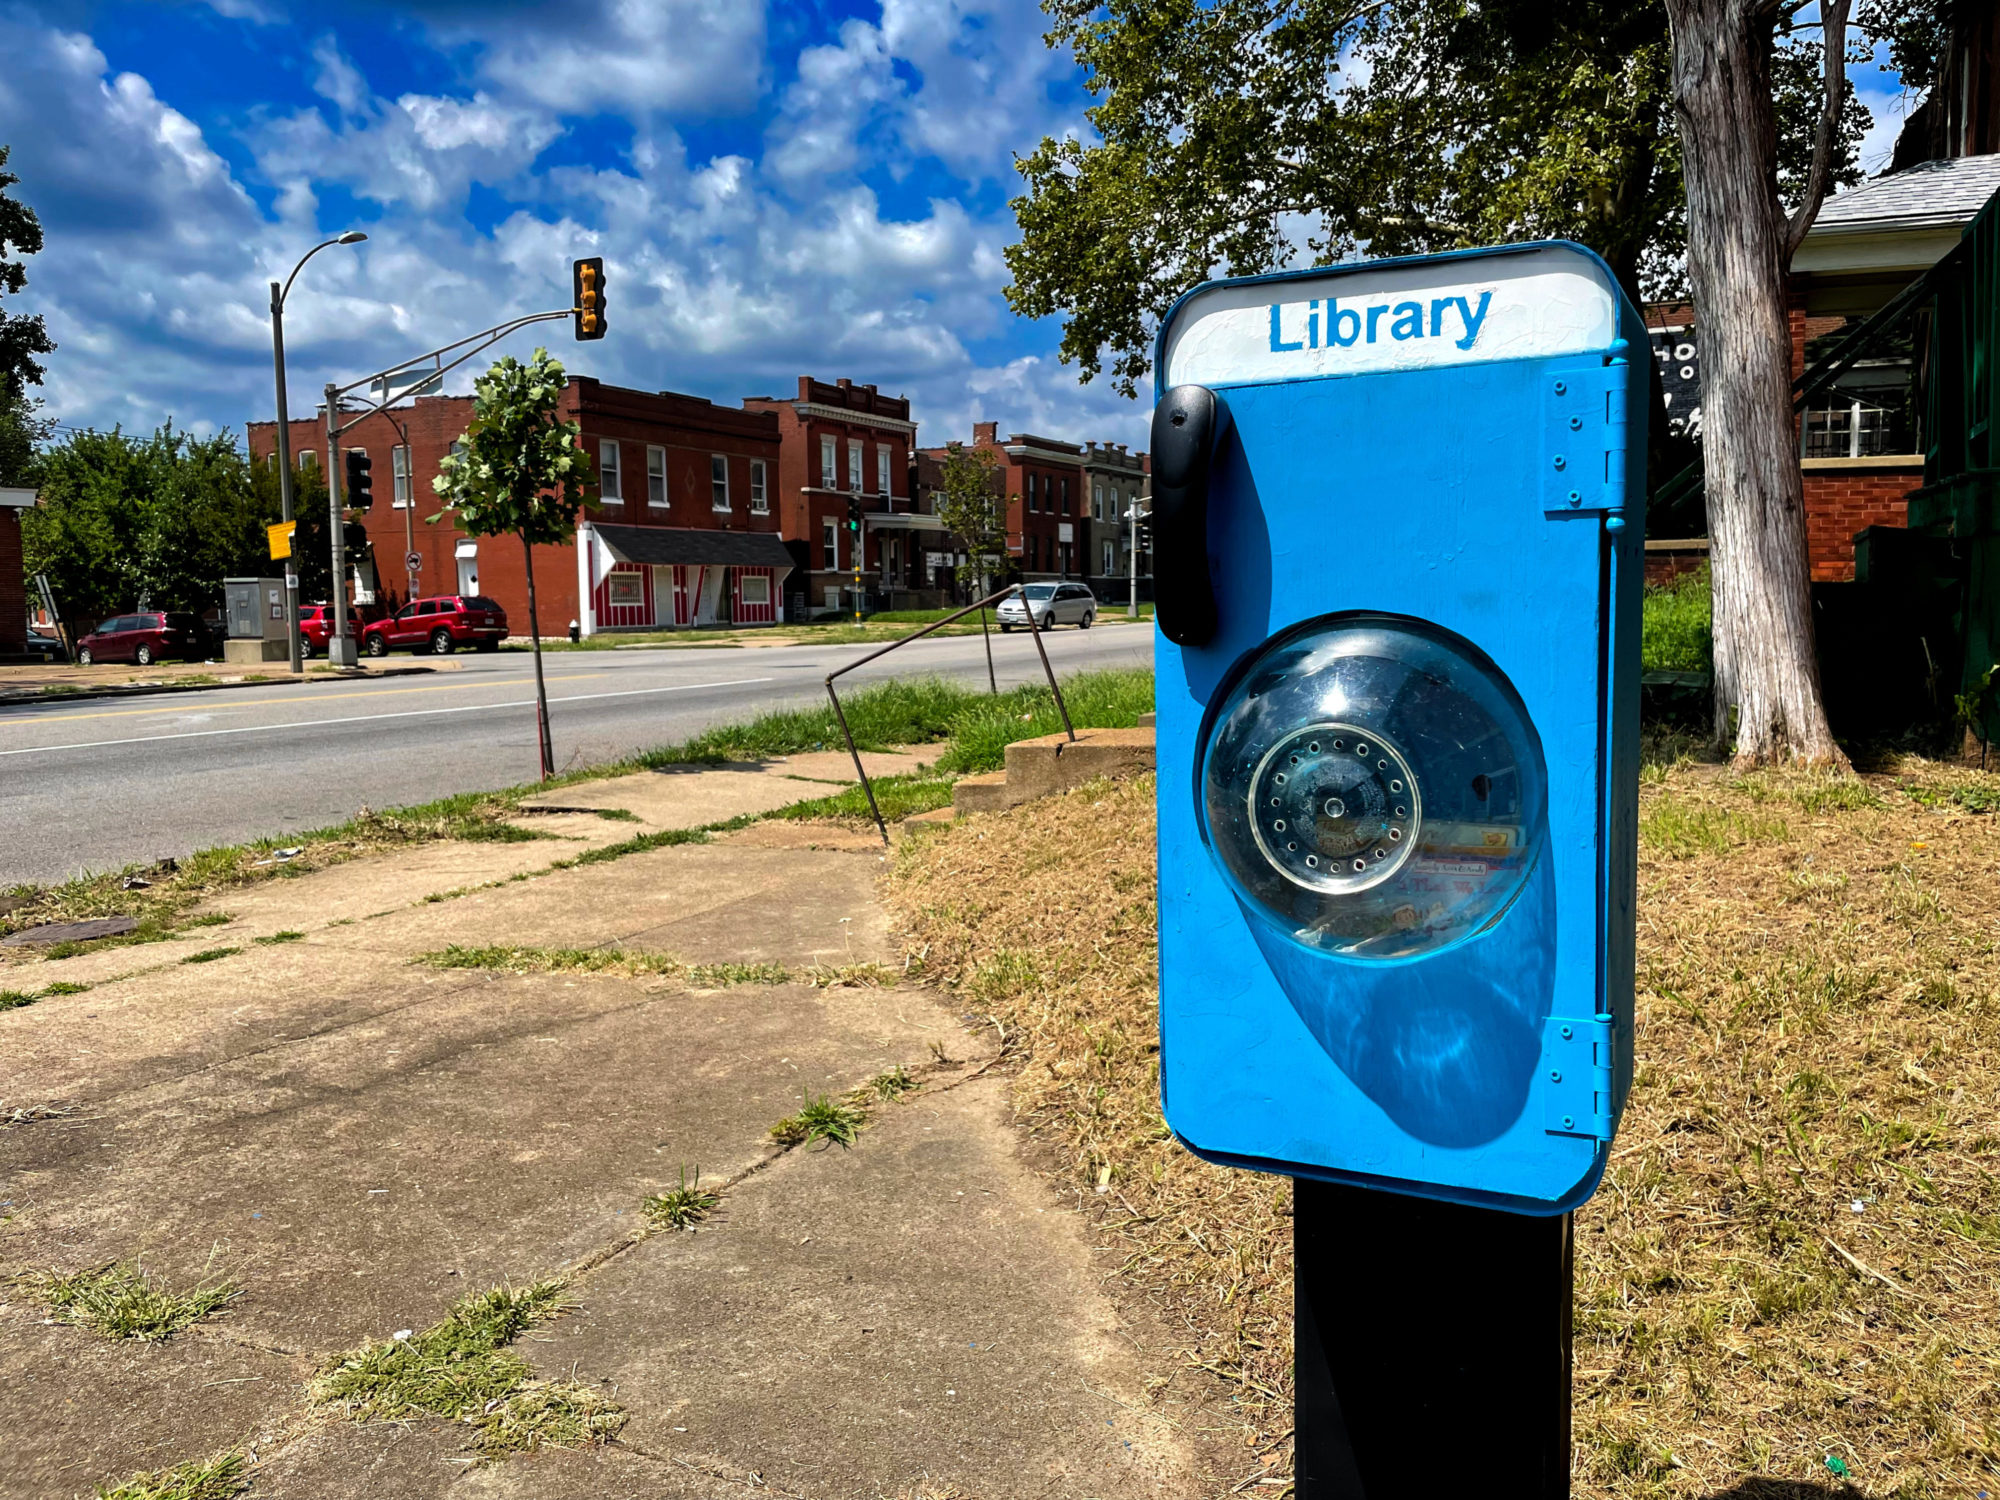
1236	136
162	520
312	549
520	470
22	336
972	507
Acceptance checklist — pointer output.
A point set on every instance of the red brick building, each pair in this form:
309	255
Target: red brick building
843	443
685	531
1047	505
13	583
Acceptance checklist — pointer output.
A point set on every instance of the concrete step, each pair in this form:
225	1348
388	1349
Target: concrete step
1055	763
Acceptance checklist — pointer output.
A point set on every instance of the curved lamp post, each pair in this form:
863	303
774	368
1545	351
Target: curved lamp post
278	295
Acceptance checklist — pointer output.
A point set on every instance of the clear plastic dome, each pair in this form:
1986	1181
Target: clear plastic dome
1372	787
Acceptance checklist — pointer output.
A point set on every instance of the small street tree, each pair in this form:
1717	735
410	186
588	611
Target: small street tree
22	337
971	506
519	471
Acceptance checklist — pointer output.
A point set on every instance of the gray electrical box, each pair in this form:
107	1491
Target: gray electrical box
255	608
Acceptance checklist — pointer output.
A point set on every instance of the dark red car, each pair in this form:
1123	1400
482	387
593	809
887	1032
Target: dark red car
316	624
146	637
439	625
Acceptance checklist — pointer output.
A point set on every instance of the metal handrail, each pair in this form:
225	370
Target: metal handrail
1033	629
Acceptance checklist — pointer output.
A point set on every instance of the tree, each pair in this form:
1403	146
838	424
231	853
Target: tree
161	520
1240	135
1741	237
520	471
312	549
22	336
970	504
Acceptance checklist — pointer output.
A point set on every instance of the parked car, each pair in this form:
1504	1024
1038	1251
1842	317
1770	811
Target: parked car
147	637
316	624
44	643
1052	603
439	625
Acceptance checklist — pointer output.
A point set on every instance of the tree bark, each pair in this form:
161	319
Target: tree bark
542	739
1766	672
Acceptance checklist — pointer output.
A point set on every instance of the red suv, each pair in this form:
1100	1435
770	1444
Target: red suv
316	624
439	625
144	638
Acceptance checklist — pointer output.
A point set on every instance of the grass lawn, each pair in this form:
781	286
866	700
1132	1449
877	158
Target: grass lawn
1792	1270
1675	634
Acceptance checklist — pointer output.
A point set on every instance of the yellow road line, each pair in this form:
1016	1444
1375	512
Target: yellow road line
431	687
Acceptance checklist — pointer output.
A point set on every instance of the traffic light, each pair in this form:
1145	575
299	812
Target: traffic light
854	513
354	542
588	278
360	487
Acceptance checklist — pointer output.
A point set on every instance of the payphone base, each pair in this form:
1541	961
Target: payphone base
1432	1348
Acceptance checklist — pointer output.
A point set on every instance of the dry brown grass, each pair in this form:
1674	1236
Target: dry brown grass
1819	1026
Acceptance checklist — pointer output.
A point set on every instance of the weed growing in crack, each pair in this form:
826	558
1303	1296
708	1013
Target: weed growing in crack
518	960
218	1478
546	1414
681	1207
210	955
123	1302
717	976
868	975
461	1369
289	935
14	999
822	1118
890	1085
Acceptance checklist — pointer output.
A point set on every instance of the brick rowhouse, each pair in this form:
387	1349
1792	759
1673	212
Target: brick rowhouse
685	531
13	583
839	442
1046	505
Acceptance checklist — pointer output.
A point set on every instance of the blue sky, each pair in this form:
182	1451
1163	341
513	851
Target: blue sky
811	186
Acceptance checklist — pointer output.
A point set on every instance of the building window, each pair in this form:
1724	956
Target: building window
1097	501
1065	497
1847	424
760	500
399	466
882	468
829	475
756	589
718	481
854	465
308	459
656	476
829	544
607	470
1110	562
627	590
1033	502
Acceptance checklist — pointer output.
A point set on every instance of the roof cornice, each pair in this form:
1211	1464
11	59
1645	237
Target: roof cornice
811	409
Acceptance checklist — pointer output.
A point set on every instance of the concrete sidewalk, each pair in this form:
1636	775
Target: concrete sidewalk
359	1140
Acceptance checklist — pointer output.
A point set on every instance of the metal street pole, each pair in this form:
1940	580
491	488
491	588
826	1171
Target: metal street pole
1132	563
340	646
285	473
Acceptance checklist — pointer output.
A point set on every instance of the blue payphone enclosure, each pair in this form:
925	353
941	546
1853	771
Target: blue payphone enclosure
1438	461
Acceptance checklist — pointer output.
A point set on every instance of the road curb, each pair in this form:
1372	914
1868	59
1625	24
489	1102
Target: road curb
151	690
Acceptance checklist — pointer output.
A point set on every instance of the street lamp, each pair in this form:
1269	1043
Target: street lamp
278	295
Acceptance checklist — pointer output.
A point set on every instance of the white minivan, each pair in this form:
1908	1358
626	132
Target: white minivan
1052	603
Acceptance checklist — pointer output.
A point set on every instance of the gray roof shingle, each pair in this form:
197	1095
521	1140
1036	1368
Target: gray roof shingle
1933	193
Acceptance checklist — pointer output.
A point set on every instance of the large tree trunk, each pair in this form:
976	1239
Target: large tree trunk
1765	669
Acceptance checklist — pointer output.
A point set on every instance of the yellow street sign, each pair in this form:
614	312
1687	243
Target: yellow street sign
281	538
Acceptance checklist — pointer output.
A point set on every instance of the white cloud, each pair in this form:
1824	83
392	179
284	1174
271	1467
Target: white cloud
728	275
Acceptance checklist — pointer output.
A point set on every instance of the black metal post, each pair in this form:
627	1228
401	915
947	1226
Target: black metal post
1432	1348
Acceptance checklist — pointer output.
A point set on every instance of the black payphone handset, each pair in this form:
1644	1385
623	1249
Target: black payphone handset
1187	425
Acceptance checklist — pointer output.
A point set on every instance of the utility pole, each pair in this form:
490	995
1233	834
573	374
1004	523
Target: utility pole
285	473
1132	514
341	649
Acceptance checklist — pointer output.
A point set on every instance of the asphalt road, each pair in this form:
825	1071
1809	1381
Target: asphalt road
106	783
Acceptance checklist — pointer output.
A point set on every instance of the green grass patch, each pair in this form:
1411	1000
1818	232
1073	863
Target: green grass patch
867	975
1676	633
896	796
547	1414
220	1478
639	844
122	1302
63	987
1973	797
890	1085
981	733
15	999
821	1118
289	935
1681	832
617	815
519	960
721	976
451	1369
683	1206
210	955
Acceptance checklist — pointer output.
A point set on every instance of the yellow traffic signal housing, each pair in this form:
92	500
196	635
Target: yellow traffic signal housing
588	304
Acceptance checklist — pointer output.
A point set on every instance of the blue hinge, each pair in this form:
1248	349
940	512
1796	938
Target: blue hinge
1576	1076
1583	438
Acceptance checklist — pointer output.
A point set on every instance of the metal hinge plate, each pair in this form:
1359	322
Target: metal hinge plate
1583	439
1576	1076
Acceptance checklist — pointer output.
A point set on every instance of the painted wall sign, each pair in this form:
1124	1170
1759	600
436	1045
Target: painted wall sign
1403	315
